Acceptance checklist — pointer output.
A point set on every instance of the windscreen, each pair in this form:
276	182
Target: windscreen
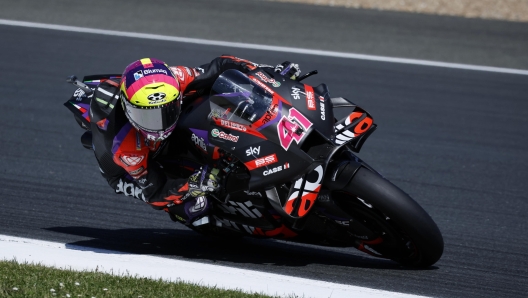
236	98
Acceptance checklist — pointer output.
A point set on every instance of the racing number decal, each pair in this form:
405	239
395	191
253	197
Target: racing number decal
292	128
309	193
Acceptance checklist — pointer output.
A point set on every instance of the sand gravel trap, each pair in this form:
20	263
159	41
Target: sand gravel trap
511	10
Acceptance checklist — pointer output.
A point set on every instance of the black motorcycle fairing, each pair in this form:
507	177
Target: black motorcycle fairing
79	102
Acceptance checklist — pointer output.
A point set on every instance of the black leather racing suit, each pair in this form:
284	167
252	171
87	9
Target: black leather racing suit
128	161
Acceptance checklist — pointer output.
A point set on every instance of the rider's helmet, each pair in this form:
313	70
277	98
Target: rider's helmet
151	98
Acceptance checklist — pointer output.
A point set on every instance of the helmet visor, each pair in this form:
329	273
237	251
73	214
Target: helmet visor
156	119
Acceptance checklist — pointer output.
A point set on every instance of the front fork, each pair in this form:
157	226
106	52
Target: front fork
339	174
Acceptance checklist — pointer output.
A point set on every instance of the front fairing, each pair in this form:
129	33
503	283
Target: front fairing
282	131
254	118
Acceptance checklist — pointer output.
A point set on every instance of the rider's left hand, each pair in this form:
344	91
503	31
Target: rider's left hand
204	182
288	69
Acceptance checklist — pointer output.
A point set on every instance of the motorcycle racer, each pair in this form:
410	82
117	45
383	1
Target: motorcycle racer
132	123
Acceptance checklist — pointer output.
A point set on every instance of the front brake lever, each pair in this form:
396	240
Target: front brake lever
308	74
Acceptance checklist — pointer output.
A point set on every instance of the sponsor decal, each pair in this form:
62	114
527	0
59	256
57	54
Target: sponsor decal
310	97
79	93
232	125
188	70
137	171
276	169
296	93
202	135
347	135
201	204
268	80
129	189
219	119
270	113
261	162
215	132
310	190
222	135
322	108
253	151
102	124
199	142
132	159
179	73
156	98
262	85
138	75
154	71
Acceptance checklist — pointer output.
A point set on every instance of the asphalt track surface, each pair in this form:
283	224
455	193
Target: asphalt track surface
455	140
394	34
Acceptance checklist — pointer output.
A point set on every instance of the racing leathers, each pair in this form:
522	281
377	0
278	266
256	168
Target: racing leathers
130	163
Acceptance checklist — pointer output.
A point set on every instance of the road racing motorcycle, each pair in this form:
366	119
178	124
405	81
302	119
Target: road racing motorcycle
291	167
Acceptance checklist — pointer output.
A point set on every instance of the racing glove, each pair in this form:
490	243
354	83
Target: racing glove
204	182
288	69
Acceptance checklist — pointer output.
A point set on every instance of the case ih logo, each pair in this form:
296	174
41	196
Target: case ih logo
276	169
261	162
322	106
310	97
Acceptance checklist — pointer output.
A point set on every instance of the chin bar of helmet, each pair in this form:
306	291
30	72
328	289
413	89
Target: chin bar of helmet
73	80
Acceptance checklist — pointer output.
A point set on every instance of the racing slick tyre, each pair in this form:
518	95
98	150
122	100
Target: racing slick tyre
400	229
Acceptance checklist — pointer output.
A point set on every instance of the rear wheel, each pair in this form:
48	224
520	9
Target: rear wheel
396	226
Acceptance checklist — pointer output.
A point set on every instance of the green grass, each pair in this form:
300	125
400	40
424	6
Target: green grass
29	280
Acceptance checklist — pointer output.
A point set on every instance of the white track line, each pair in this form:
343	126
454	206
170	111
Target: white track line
263	47
79	258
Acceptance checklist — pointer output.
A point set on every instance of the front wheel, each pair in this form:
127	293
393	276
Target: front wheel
398	228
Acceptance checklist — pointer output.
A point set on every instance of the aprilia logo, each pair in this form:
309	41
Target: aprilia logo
261	162
198	141
270	114
129	189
